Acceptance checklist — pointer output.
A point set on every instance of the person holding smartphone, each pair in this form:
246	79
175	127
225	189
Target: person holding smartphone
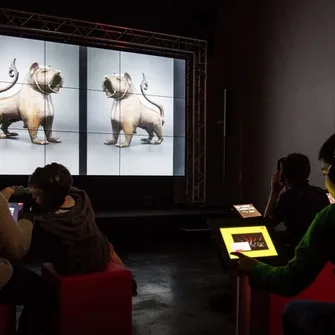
65	231
313	252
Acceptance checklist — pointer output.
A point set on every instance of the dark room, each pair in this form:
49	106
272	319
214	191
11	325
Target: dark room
166	168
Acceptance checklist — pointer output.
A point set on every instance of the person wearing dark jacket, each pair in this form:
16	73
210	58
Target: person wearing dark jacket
65	230
293	202
70	238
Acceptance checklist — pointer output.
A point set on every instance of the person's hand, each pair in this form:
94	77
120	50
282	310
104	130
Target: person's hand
246	263
276	184
26	216
19	191
8	192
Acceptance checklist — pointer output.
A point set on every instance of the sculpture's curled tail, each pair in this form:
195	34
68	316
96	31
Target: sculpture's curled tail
13	73
144	86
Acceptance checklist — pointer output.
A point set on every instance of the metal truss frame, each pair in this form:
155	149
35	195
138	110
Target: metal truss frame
38	26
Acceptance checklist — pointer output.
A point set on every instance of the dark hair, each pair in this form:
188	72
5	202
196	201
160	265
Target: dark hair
296	168
54	182
327	151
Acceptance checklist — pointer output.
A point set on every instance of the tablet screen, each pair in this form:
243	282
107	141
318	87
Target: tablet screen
247	211
253	241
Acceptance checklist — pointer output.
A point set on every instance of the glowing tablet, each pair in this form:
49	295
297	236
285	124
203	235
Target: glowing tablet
253	241
247	211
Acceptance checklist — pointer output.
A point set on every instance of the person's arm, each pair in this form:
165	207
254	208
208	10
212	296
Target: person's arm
15	237
271	204
311	255
276	187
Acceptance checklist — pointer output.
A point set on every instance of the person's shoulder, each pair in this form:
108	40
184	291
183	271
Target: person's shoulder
286	194
330	209
317	189
323	224
327	214
319	193
79	193
76	190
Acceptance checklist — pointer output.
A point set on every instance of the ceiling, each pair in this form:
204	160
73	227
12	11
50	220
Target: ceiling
173	17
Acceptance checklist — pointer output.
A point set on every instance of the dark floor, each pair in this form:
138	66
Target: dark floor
175	281
175	278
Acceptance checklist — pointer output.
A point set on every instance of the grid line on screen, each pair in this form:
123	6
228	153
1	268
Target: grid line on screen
45	102
83	110
120	151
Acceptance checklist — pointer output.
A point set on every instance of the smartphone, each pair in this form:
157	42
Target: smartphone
15	209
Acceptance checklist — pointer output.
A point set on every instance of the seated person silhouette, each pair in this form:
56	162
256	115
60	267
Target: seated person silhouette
293	202
65	231
313	252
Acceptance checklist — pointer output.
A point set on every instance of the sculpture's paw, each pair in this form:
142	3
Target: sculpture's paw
54	140
37	141
145	140
12	134
122	145
111	142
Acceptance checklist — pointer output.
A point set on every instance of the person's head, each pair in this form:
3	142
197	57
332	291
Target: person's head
295	169
50	185
327	159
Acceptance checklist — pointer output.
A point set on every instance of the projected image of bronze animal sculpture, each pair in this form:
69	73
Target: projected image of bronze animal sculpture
128	112
32	104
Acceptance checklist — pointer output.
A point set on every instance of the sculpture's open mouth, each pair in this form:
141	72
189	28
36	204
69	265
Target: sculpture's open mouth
108	88
56	83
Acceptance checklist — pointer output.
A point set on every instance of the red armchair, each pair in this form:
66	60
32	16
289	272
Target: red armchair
322	289
261	313
7	320
98	303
